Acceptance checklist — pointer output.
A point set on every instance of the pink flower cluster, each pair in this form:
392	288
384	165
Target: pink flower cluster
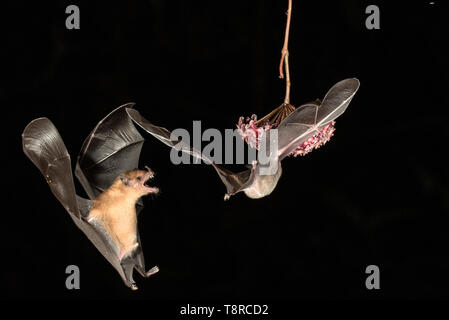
315	141
251	133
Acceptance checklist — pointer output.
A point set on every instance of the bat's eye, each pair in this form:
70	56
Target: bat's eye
139	178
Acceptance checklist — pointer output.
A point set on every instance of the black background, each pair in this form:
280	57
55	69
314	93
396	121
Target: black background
377	193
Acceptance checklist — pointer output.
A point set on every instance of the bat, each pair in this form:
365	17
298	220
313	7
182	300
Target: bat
106	170
304	129
307	127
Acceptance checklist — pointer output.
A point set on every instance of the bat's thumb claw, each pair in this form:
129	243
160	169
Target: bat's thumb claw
226	197
134	287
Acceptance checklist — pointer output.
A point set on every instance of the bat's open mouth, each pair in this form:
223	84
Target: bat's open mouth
149	176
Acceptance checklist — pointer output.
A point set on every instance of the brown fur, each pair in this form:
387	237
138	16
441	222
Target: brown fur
116	208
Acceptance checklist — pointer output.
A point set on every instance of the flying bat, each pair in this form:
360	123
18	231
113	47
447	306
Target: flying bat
106	170
304	129
307	127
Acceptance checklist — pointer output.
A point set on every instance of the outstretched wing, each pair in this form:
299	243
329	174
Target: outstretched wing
44	146
163	135
113	147
310	118
234	182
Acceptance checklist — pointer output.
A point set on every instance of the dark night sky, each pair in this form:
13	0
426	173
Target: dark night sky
377	193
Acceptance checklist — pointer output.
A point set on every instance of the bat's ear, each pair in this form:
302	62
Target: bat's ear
125	180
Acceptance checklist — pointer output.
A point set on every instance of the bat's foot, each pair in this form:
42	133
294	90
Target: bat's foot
133	287
226	197
152	271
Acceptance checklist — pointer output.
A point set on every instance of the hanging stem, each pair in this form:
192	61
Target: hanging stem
275	117
284	56
287	81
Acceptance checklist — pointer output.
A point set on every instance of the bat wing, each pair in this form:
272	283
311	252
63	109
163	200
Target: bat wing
163	135
43	145
234	182
113	147
307	119
336	101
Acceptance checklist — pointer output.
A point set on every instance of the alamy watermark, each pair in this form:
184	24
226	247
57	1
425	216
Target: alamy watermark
73	280
373	20
373	280
73	20
266	154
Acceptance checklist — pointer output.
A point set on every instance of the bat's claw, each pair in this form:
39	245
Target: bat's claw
152	271
226	197
134	287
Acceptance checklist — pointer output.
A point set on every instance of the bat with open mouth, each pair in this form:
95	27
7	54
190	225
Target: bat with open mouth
106	170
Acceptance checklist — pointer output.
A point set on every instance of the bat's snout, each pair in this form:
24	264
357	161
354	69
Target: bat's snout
148	176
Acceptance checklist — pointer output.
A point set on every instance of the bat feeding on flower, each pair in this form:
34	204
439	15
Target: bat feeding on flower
306	128
106	170
300	130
